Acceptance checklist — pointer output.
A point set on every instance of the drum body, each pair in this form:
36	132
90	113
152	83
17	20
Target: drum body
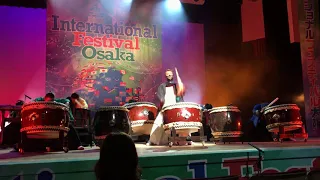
225	122
184	117
286	115
109	119
142	116
44	120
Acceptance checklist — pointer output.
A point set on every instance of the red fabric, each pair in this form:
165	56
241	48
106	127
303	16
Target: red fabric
252	20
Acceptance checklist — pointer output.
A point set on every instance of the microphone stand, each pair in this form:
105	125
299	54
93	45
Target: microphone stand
260	157
25	97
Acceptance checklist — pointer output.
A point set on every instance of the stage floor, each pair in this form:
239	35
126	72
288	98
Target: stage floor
9	156
158	161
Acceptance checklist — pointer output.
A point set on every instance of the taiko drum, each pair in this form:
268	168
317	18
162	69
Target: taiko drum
44	120
142	116
184	117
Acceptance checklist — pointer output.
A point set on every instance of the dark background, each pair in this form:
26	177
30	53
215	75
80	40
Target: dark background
245	78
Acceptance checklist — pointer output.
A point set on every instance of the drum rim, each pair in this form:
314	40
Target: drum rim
288	124
280	106
110	108
172	106
130	105
44	102
224	108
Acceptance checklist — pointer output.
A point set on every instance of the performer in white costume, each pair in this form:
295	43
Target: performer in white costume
168	95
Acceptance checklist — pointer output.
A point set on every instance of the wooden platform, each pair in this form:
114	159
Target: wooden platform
11	156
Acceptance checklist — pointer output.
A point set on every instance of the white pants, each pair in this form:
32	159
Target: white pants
158	135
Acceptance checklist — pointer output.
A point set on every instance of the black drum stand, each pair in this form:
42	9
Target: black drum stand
25	142
173	139
227	137
228	140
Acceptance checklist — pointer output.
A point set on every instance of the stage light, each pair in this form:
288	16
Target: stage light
127	1
196	2
173	5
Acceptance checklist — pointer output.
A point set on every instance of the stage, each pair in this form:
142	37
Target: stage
157	162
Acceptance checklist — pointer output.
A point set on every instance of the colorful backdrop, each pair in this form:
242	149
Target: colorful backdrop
309	39
110	51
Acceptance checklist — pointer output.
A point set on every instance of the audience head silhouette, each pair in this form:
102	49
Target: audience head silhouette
118	158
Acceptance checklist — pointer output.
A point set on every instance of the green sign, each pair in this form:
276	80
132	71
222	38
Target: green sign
172	165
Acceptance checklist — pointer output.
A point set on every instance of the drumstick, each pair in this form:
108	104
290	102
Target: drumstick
270	104
180	84
178	77
275	100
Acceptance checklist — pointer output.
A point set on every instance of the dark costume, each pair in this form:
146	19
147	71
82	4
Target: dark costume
11	133
206	127
260	132
257	114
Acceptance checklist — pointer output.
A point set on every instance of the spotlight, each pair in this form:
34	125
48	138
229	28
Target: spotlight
196	2
173	5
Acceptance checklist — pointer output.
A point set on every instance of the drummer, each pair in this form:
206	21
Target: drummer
74	140
167	94
206	127
257	112
51	97
78	102
260	131
167	91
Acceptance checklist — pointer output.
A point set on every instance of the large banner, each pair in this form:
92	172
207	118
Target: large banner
309	39
103	50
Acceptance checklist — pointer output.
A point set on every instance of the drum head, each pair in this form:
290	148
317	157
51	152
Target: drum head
113	108
182	105
281	107
131	105
44	105
224	109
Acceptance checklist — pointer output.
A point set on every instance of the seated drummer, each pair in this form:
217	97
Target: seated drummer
78	102
206	127
260	131
11	133
17	114
51	97
73	138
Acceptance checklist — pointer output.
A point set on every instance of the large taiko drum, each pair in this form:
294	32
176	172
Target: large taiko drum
142	116
184	117
286	115
44	120
109	119
225	122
